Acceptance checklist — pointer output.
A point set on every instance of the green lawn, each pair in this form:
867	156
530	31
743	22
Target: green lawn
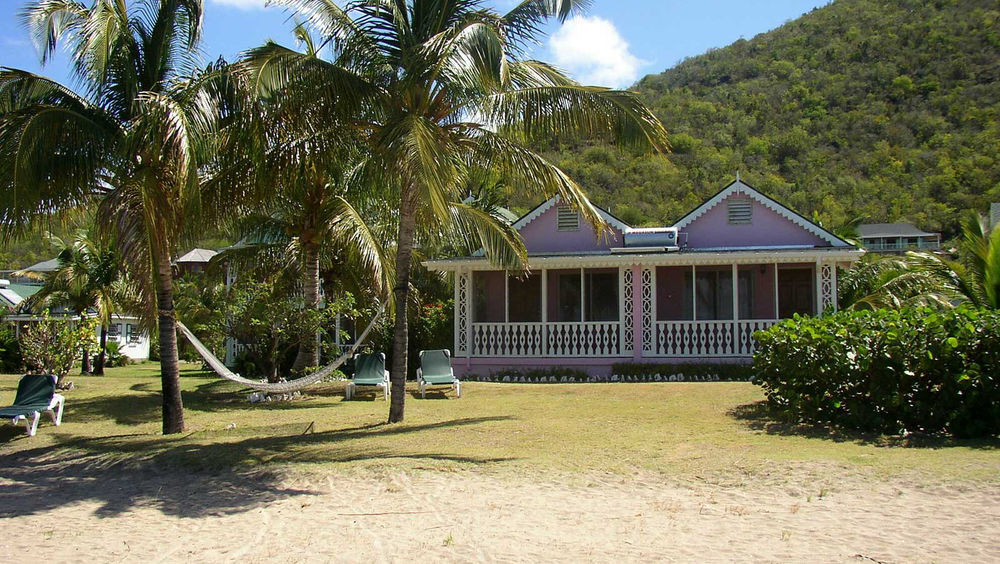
708	430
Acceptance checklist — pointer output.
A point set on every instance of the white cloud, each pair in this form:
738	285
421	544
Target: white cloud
243	4
593	52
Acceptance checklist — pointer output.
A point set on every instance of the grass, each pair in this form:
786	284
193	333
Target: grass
708	430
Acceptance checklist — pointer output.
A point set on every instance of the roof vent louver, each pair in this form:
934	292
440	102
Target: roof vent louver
740	211
567	219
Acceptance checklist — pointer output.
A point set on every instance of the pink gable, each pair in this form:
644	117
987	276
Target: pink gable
766	229
542	235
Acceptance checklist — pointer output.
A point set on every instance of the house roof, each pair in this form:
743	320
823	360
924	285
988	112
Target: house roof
868	230
13	294
199	256
739	187
44	266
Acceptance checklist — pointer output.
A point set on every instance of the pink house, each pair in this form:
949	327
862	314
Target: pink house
694	291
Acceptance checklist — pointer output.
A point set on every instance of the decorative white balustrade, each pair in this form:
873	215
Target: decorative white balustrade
589	339
708	338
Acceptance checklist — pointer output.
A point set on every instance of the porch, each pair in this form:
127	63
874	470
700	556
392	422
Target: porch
632	312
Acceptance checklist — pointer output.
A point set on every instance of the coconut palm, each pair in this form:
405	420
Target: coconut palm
311	214
131	141
981	253
88	278
443	88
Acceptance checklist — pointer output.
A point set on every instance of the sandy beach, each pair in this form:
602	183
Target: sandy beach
72	511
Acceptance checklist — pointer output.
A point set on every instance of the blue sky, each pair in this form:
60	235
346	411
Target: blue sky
615	44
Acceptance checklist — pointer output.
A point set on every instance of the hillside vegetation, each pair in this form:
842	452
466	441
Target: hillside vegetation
874	108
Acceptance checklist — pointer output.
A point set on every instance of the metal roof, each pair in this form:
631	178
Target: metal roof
867	230
44	266
197	256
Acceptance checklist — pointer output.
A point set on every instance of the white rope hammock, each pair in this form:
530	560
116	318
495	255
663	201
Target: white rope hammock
221	369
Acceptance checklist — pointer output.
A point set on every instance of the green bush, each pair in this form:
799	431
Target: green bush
887	371
113	357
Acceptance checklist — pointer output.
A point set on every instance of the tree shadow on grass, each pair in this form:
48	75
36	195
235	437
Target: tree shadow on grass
760	416
144	404
184	477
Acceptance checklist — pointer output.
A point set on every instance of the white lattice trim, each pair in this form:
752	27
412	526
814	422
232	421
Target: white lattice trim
628	309
648	301
828	286
462	292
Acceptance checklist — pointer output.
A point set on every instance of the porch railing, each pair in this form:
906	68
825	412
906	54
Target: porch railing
590	339
708	338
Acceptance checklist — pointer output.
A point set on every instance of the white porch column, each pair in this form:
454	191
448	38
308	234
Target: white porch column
777	310
506	296
736	295
583	300
694	294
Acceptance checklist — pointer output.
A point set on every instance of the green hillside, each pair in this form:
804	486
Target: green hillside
885	109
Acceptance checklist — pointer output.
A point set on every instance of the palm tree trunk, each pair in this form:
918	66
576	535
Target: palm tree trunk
173	407
85	368
99	368
308	355
404	253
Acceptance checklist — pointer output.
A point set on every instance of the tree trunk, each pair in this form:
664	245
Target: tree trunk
401	292
85	368
102	355
173	407
308	355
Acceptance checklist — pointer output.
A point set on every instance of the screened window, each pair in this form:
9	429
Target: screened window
714	294
601	296
569	297
525	299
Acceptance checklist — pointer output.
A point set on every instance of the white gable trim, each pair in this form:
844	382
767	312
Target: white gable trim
738	187
544	207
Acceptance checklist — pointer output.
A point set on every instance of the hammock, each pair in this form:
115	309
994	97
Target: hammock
221	369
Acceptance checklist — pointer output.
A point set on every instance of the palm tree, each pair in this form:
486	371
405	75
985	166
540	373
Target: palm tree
311	212
446	88
89	277
981	248
132	141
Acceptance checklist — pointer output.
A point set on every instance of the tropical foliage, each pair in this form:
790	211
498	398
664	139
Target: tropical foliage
928	279
886	110
269	322
54	346
89	278
132	141
887	371
446	89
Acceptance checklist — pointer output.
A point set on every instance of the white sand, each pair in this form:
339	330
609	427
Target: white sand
70	512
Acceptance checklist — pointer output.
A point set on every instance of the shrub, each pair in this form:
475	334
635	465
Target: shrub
887	371
53	346
113	357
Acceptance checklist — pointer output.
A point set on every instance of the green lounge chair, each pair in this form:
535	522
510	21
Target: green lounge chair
35	393
435	370
369	370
